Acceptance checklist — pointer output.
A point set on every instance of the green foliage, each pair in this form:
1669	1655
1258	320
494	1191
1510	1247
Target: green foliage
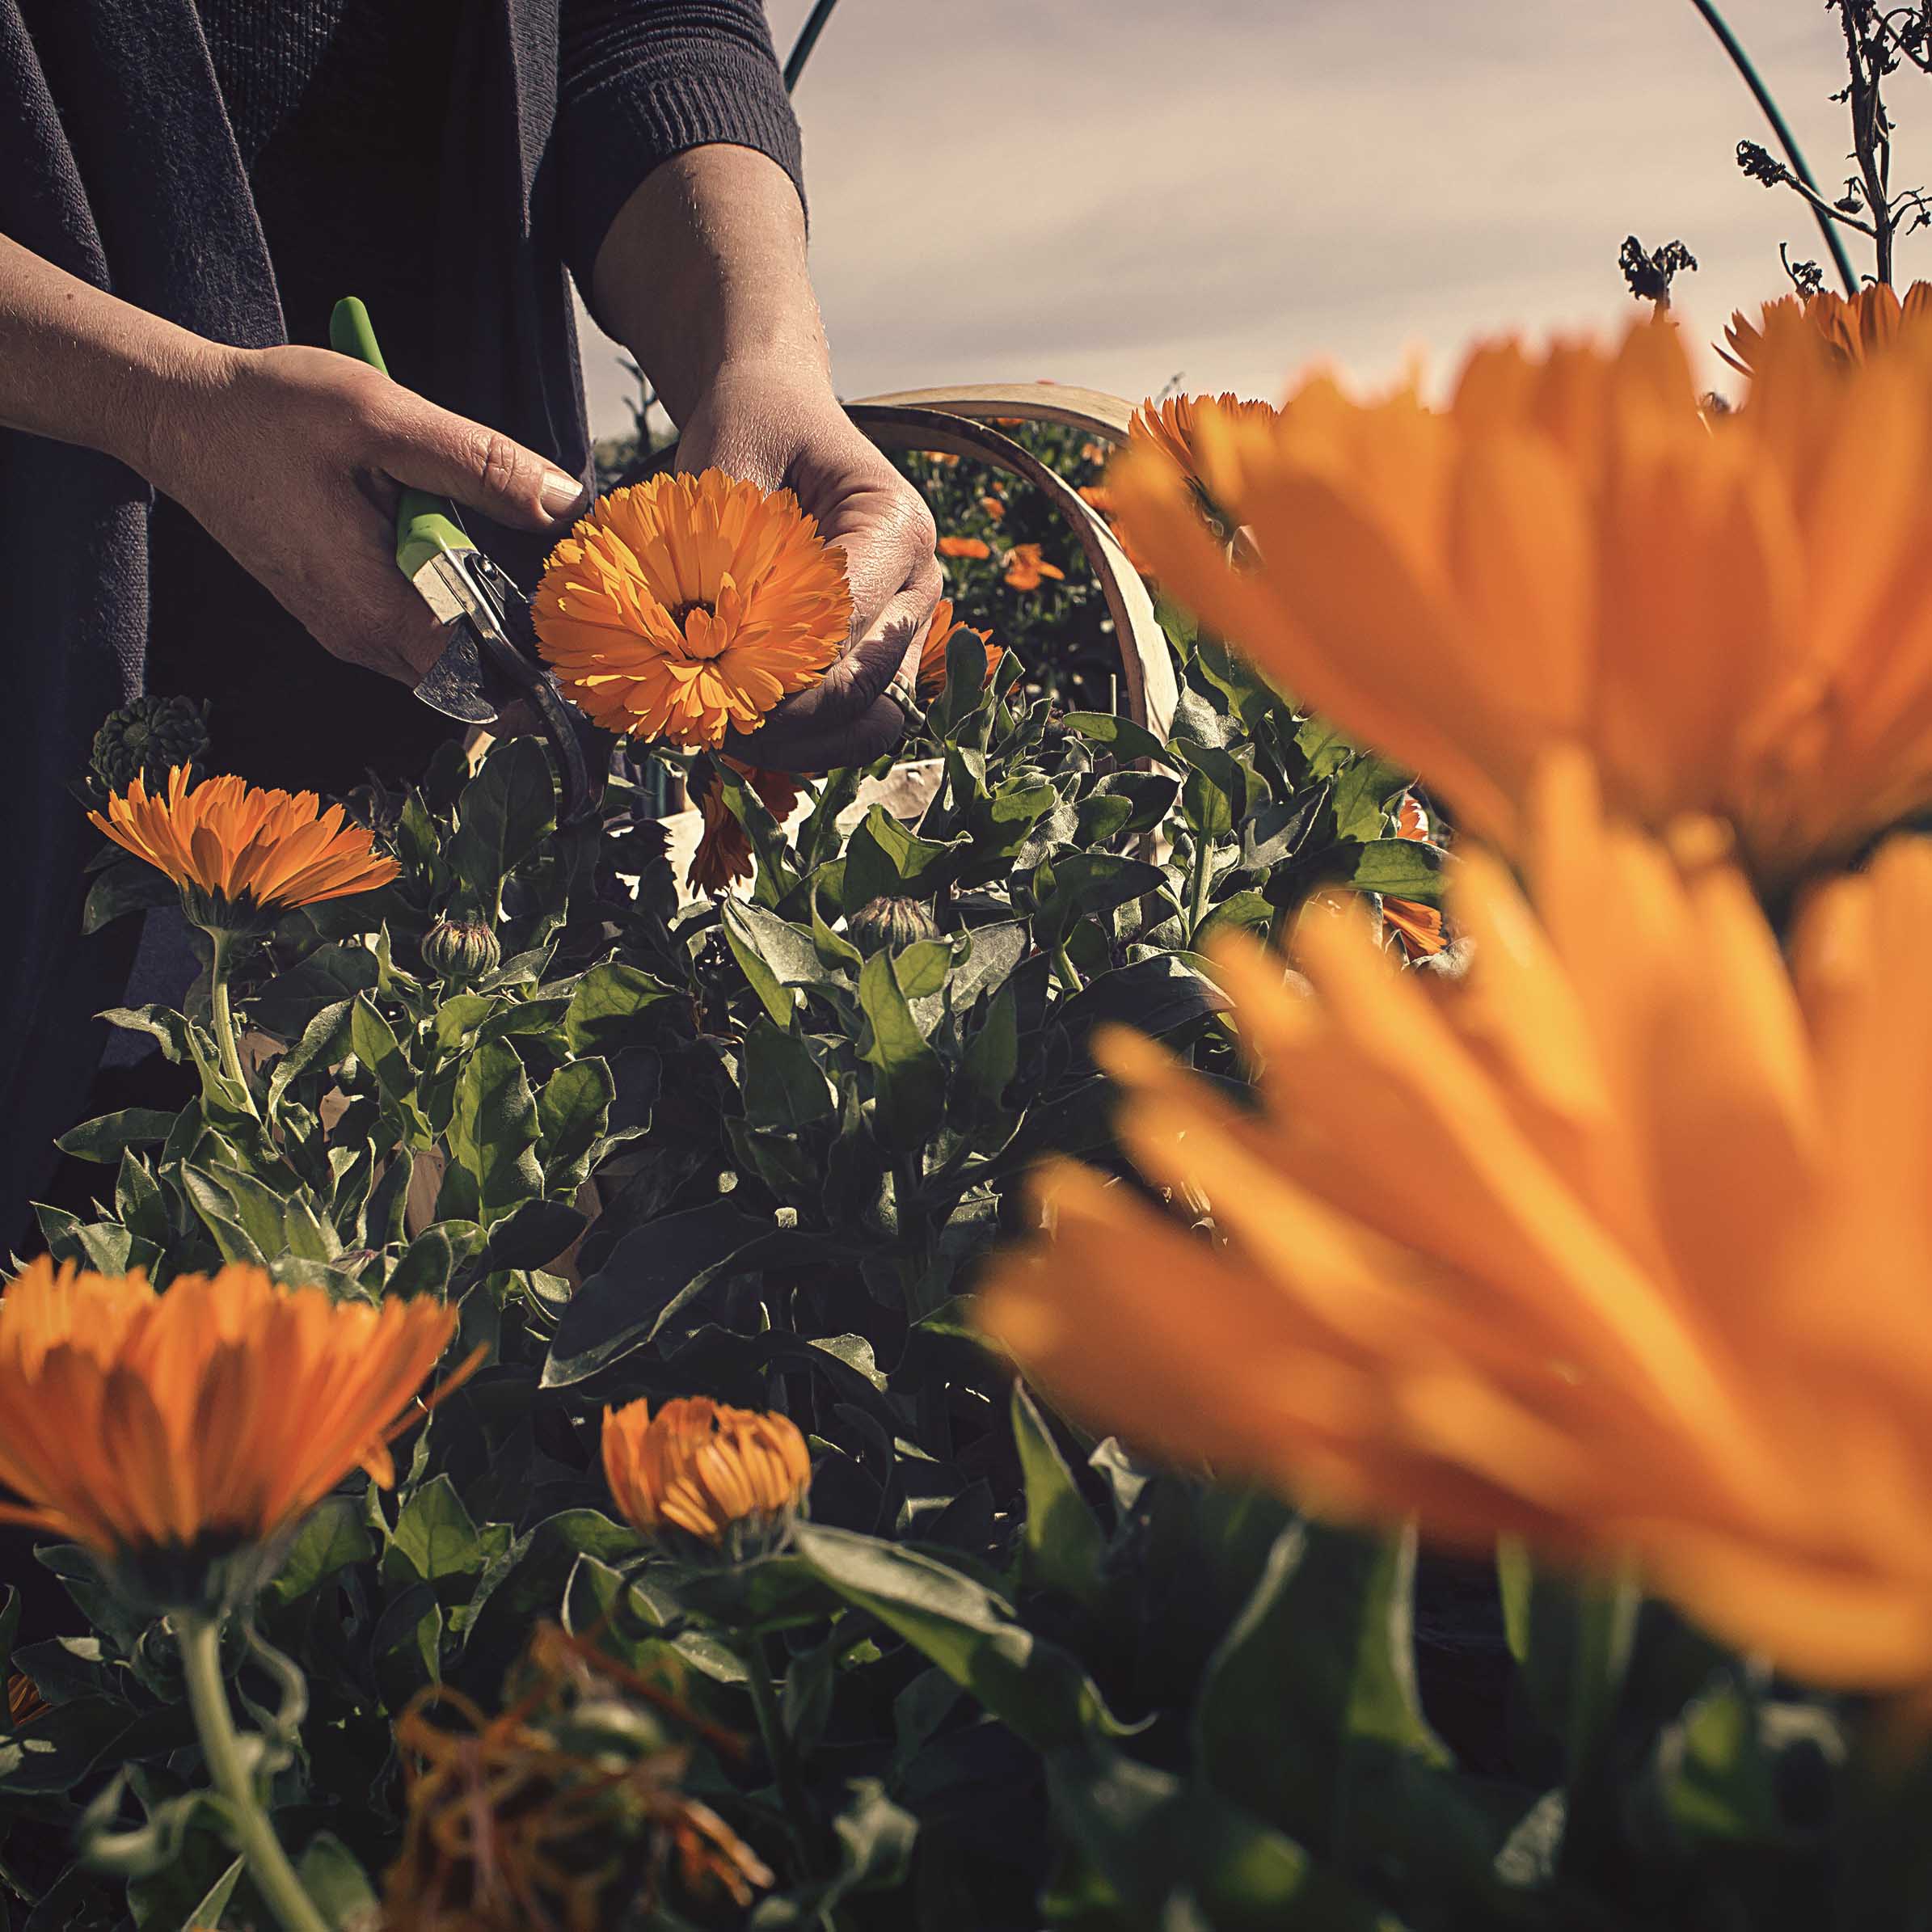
756	1150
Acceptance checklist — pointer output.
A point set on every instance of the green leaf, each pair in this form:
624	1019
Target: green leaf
1572	1639
1081	883
336	1883
651	1273
1362	796
1404	868
333	1535
1064	1547
435	1538
1178	1859
373	1042
784	1085
1323	1652
504	811
608	1011
1120	735
883	859
214	1901
130	885
108	1137
992	1055
1032	1686
161	1023
912	1078
572	1111
324	1041
531	1234
493	1129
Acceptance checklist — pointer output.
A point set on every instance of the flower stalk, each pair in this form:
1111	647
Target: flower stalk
225	944
221	1746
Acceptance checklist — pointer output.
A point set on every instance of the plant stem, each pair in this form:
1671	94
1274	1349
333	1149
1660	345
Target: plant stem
1069	973
208	1699
224	1017
802	47
759	1679
1787	140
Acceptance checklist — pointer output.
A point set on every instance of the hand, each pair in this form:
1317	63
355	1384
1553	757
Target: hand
293	460
784	426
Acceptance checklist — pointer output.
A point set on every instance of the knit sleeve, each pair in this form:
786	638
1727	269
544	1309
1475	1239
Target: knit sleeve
640	81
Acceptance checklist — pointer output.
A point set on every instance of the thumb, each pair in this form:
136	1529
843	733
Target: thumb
427	448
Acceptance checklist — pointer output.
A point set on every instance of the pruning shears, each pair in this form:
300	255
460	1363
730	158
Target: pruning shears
491	660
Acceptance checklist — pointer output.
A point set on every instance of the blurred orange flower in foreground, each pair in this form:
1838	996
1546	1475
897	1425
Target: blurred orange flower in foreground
1732	616
1851	326
1651	1275
685	606
166	1431
724	850
241	856
965	546
939	634
1027	569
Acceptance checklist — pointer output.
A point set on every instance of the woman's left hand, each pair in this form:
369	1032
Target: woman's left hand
783	427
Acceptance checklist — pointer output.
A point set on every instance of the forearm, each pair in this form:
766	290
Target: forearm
703	268
82	366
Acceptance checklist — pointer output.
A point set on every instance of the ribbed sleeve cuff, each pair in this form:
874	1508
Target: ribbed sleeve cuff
611	137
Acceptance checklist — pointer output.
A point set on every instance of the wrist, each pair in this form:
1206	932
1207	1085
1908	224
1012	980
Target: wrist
166	387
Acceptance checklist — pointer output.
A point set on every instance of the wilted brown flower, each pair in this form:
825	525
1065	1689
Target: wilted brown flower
724	851
564	1812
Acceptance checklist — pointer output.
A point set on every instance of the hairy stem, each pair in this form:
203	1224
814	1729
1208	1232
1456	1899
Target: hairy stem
761	1680
208	1698
1787	140
224	1016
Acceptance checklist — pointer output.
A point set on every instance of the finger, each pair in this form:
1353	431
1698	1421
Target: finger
432	449
888	541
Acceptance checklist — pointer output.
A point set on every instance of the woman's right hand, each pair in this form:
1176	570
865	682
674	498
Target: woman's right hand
292	459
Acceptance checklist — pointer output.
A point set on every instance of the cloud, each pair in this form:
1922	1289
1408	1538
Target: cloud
1113	194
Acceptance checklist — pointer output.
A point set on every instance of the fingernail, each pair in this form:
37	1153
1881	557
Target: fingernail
560	493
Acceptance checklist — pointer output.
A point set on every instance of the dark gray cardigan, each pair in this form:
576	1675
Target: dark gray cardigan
116	163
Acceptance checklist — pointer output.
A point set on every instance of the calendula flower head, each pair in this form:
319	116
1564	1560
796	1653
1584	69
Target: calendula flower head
1172	429
24	1702
1733	616
564	1810
241	856
688	606
1851	327
724	850
1621	1245
179	1435
1027	569
705	1478
965	546
938	642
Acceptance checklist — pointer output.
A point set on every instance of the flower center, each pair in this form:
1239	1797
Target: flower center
680	611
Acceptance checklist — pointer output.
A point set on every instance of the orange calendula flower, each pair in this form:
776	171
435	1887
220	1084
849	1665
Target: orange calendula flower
1648	1281
24	1702
1027	570
726	1479
1851	326
965	546
939	634
994	507
168	1432
1732	616
1419	929
688	606
241	856
724	851
1172	428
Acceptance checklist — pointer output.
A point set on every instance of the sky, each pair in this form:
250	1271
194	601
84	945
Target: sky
1119	194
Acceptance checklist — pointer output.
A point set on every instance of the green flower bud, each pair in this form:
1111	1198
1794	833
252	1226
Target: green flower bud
890	923
146	740
462	950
